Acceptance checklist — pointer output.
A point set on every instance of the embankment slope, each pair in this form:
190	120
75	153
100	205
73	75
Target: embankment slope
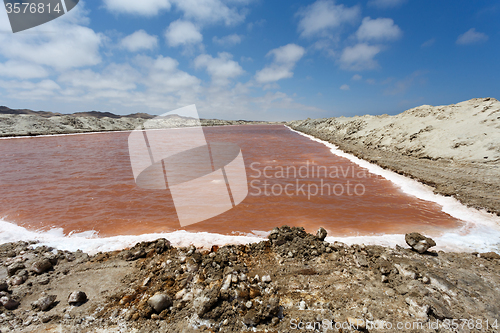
454	148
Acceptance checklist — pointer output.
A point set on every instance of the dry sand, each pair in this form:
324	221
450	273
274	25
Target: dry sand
454	148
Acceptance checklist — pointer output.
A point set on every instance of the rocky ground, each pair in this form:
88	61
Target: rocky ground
292	282
453	148
46	123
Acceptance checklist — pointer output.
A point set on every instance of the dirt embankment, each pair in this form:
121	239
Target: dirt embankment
454	148
277	285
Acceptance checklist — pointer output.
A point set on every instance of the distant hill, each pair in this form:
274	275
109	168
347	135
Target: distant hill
97	114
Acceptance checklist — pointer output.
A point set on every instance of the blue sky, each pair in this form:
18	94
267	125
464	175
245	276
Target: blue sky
254	59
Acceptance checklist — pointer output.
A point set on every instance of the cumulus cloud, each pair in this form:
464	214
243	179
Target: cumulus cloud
27	90
229	40
356	77
345	87
22	70
285	58
182	33
139	40
381	29
144	8
221	69
210	11
113	77
359	57
472	37
386	3
69	45
324	15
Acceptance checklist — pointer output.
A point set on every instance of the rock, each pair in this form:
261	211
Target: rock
252	318
490	255
44	303
17	280
321	234
249	304
3	286
361	260
9	303
419	242
13	268
227	283
134	255
77	297
254	292
41	266
206	301
160	302
266	279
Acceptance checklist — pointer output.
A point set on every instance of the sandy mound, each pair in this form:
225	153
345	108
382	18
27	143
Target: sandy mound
455	148
467	131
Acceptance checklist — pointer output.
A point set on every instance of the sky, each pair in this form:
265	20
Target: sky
254	59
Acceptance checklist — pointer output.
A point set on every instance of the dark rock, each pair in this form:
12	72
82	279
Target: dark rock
77	297
419	242
252	318
134	255
3	286
438	308
9	303
490	255
206	301
44	303
160	302
41	266
321	234
13	268
17	280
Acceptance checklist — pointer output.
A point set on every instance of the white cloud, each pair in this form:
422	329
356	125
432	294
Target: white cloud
22	70
287	54
356	77
345	87
165	74
27	90
139	40
472	37
144	7
221	69
379	30
428	43
182	33
67	45
229	40
113	77
324	15
285	58
386	3
210	11
359	57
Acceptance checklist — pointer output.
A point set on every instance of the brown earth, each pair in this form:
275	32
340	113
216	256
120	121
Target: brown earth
277	285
